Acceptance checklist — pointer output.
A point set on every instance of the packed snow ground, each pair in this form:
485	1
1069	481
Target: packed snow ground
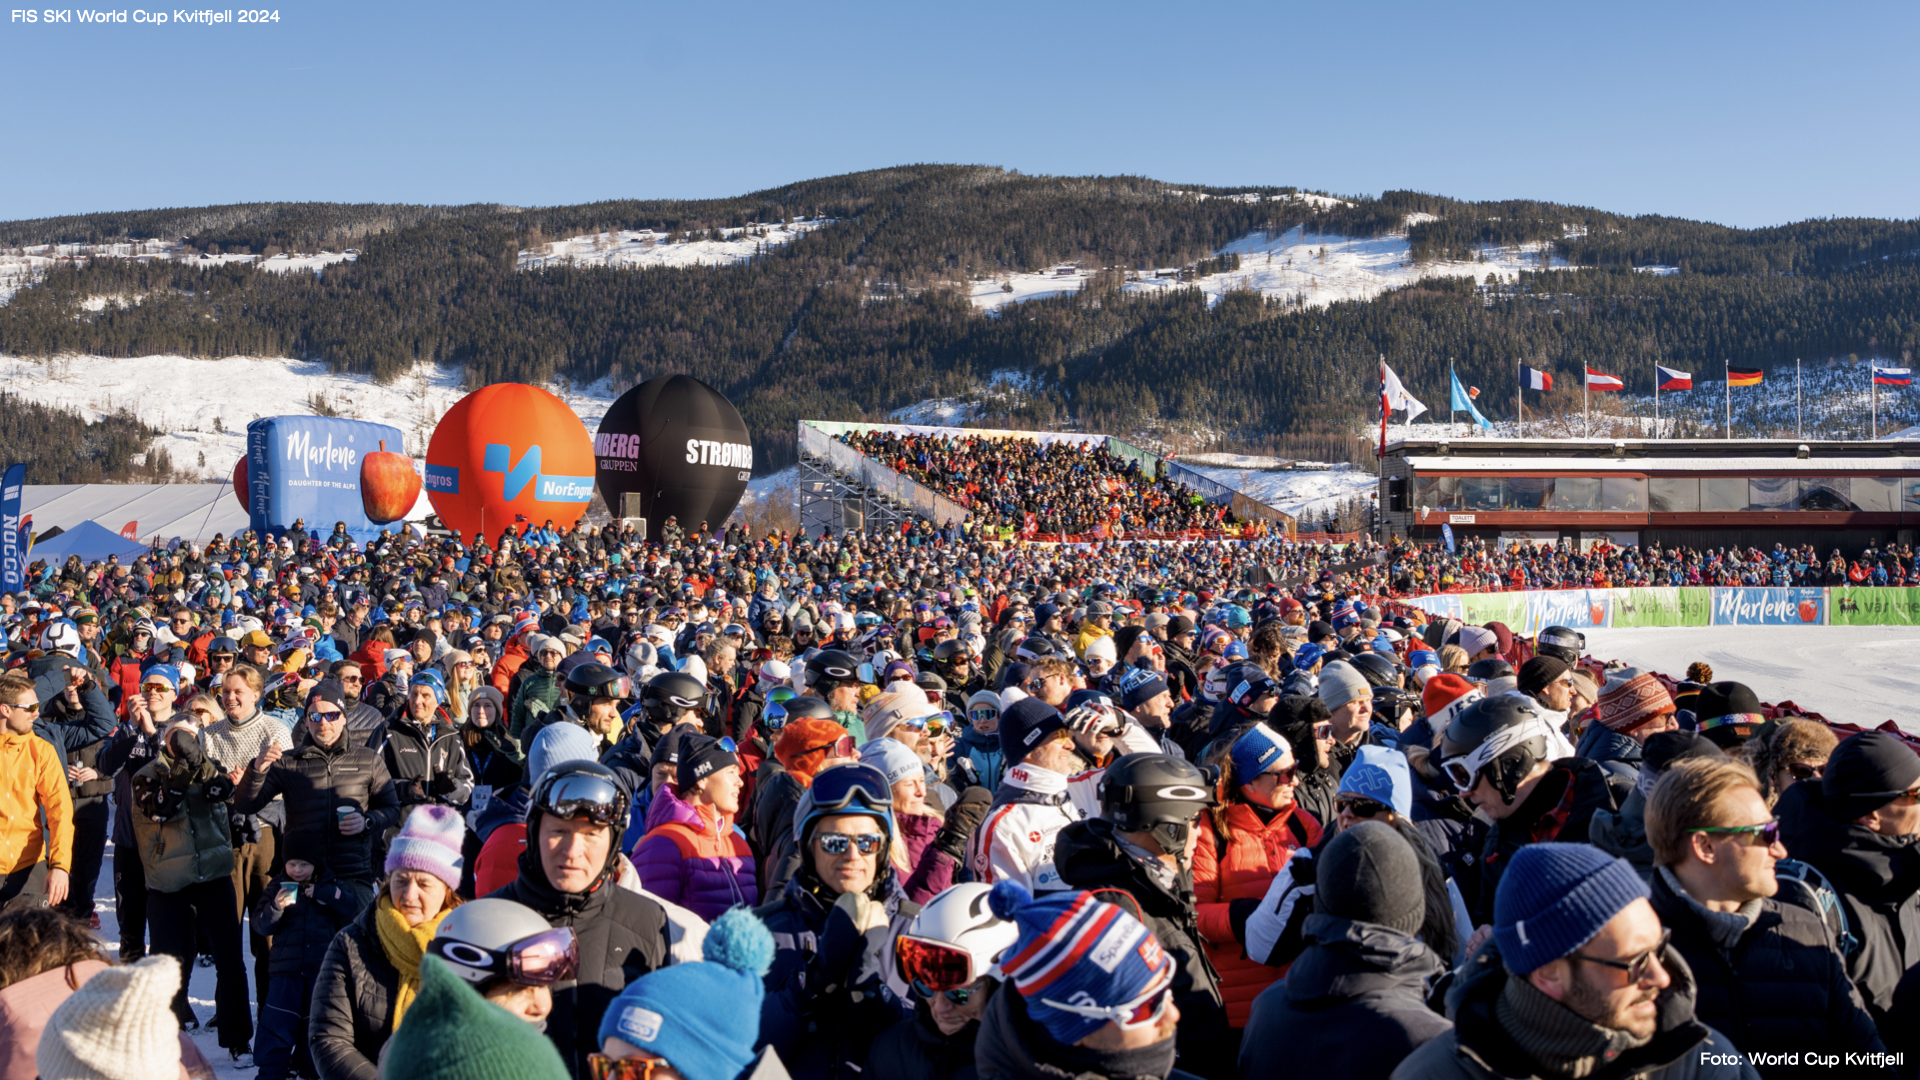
1849	674
1314	269
204	406
630	248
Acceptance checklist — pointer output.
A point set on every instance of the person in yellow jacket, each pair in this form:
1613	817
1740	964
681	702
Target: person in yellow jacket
36	809
1097	624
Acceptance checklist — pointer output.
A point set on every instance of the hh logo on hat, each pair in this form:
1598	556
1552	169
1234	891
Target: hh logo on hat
642	1024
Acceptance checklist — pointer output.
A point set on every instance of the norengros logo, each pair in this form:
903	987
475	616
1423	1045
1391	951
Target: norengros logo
515	476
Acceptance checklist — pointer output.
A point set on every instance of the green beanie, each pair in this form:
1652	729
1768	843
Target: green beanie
452	1033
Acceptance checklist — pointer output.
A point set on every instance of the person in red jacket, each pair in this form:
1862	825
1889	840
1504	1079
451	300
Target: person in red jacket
1256	828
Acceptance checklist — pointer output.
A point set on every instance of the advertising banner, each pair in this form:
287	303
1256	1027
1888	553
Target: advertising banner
1873	607
13	552
1576	608
307	468
1446	605
1769	607
1483	608
1662	607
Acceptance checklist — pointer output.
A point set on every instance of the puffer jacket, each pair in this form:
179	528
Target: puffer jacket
773	809
182	835
1614	752
351	1014
929	869
1479	1047
915	1048
428	767
1239	865
1623	832
1778	986
695	857
977	759
1012	1046
1356	995
314	781
538	695
303	931
621	935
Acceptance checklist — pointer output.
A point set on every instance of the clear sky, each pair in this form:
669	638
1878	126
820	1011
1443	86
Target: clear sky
1748	114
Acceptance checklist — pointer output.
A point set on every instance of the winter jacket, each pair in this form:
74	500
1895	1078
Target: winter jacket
977	759
126	752
1091	855
493	757
1878	878
1193	725
233	744
1356	996
539	694
350	1016
1013	1047
1623	832
428	767
929	869
32	780
915	1048
1768	977
67	730
1016	841
621	935
1615	752
314	781
1560	807
372	658
695	857
1480	1048
27	1005
1233	871
304	930
829	994
181	834
773	809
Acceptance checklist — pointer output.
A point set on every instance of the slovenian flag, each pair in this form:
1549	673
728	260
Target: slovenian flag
1745	376
1674	380
1537	380
1599	380
1892	376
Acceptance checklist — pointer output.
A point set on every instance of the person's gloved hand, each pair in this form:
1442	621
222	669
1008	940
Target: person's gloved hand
443	784
856	926
962	819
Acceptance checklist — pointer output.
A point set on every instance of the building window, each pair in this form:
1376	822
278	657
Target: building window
1623	494
1575	494
1875	494
1719	494
1484	493
1673	495
1438	492
1773	493
1826	493
1529	492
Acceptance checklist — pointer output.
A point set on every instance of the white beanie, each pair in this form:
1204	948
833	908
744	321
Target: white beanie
118	1026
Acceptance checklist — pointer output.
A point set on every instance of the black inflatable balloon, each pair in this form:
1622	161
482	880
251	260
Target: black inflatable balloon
680	446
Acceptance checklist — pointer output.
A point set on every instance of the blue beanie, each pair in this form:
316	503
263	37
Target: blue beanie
1381	773
1075	949
1553	898
1024	725
702	1018
556	744
1139	686
429	677
1256	749
1308	655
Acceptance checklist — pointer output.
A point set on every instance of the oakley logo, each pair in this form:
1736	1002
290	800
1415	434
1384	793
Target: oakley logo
1182	792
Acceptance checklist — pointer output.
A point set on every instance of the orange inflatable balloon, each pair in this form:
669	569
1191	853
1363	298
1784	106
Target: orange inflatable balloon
509	456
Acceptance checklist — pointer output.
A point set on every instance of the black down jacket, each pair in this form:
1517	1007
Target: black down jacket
1356	995
914	1047
622	936
1013	1046
351	1015
314	781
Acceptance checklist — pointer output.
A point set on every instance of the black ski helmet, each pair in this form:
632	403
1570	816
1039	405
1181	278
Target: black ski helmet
1502	737
671	693
1158	793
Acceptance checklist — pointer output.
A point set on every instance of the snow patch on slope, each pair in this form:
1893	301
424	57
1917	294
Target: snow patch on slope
1296	491
639	248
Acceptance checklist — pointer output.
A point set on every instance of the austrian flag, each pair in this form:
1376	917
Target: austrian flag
1599	380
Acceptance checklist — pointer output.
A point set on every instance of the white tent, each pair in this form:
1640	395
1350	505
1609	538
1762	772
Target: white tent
193	512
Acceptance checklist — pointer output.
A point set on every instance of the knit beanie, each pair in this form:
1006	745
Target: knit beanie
1024	725
1308	655
1381	773
118	1026
452	1033
1554	898
983	699
1139	686
703	1018
1340	683
558	743
1254	751
1729	714
1178	625
1075	949
894	708
1867	771
1631	698
430	678
700	756
1665	748
1370	874
803	745
429	841
1475	639
894	759
1540	672
1444	697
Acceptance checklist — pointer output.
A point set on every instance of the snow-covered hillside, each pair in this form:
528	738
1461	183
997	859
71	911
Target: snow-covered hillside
1003	390
204	406
1299	492
20	267
629	248
1313	269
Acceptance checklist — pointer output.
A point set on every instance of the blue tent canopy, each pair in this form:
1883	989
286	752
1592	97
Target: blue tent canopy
90	540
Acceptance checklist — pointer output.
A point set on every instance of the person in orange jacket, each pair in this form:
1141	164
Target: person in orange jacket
32	785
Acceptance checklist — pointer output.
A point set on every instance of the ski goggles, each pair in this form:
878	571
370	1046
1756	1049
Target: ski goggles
583	797
932	966
837	673
620	689
542	959
603	1067
985	713
836	789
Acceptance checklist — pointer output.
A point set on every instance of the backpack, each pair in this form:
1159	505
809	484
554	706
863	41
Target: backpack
1801	884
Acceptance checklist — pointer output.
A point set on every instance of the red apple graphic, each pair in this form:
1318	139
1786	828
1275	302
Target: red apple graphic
240	482
1809	611
388	485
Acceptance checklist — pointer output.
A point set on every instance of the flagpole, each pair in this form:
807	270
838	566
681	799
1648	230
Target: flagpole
1519	414
1799	431
1656	401
1726	367
1586	409
1873	389
1450	381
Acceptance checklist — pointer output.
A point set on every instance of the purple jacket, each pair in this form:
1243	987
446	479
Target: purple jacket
694	857
929	870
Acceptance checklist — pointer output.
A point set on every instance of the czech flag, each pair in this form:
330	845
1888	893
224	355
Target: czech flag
1537	380
1599	380
1674	380
1892	376
1745	376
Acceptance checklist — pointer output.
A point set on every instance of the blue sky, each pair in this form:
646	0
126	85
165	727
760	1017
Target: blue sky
1750	114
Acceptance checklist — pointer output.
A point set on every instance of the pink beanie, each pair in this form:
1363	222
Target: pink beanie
430	842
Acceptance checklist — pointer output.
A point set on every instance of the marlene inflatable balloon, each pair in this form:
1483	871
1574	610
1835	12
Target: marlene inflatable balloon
680	446
509	456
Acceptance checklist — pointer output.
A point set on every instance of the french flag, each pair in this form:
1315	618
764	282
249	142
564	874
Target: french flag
1599	380
1674	380
1537	380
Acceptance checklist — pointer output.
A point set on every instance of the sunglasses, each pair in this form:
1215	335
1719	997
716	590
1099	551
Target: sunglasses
605	1068
1637	967
1806	770
1360	807
352	678
834	843
1762	835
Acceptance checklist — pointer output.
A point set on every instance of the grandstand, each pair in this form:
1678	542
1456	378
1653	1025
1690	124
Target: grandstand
1052	486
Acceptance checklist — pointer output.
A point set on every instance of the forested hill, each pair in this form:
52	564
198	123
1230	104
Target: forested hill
871	312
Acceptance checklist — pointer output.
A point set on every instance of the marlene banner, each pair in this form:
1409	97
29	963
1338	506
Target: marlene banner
1769	607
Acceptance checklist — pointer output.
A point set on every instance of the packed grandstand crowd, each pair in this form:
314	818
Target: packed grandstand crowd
1059	487
918	805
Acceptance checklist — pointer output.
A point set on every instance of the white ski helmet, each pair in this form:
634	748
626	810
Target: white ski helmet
955	939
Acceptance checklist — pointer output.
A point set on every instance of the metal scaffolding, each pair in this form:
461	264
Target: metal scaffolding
833	499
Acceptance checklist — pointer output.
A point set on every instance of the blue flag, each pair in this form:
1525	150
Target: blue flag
1463	403
1446	534
13	553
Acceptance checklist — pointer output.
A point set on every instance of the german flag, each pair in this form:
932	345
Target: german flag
1744	376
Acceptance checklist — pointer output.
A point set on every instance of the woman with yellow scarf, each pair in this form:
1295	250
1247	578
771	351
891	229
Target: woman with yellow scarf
372	970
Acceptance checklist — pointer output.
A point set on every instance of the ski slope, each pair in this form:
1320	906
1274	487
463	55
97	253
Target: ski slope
1295	491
